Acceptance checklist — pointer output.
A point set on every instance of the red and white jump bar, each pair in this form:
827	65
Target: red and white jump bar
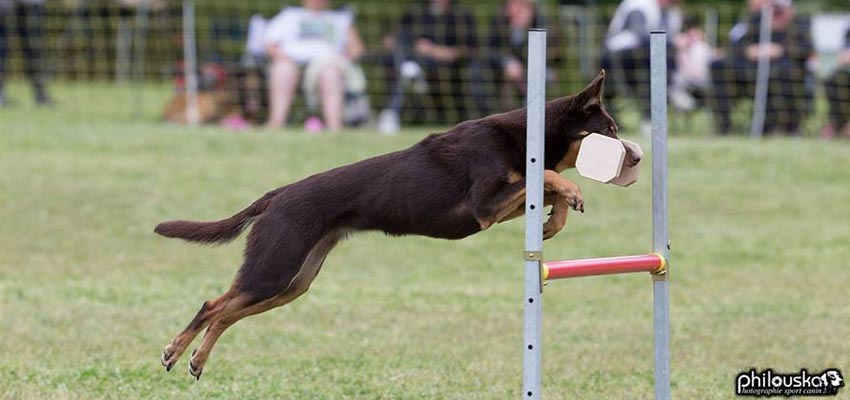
653	263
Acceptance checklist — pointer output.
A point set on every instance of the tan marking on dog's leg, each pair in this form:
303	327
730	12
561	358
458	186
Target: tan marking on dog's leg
557	193
233	311
557	217
511	206
232	314
514	176
508	206
569	160
172	352
553	185
553	182
518	212
238	308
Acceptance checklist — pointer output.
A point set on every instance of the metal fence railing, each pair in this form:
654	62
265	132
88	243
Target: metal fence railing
429	67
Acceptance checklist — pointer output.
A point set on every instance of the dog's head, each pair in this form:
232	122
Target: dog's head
578	116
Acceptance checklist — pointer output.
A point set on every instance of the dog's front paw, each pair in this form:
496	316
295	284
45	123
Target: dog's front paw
574	198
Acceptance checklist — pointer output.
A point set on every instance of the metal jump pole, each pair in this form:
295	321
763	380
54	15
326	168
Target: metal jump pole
660	224
138	65
762	72
533	300
656	263
190	63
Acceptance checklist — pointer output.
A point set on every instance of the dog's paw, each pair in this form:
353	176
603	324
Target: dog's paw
195	371
575	199
196	367
168	358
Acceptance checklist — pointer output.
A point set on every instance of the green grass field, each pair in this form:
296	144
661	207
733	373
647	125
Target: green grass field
89	295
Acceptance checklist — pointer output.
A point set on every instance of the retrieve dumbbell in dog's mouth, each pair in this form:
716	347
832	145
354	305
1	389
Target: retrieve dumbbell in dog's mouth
602	159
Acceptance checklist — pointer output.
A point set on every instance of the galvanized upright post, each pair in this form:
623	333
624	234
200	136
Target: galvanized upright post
190	64
536	115
138	64
711	27
762	72
660	234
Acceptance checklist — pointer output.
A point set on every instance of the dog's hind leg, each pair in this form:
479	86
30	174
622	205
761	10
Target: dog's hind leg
210	308
245	304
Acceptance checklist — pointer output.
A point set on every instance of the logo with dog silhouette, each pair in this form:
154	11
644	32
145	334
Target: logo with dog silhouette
767	383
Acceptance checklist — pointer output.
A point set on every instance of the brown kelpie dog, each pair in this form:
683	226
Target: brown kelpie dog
449	185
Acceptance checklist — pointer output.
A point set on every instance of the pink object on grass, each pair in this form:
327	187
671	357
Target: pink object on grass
314	125
235	122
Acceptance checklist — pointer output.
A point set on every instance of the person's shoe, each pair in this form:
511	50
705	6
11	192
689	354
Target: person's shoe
314	125
828	131
41	97
388	122
646	128
722	128
792	129
412	72
235	123
681	99
420	86
44	101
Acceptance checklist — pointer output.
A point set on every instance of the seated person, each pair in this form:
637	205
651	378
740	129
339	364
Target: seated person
838	95
691	80
26	20
790	49
320	41
504	58
626	49
430	50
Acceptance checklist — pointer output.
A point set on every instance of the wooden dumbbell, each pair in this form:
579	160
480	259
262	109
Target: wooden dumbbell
629	175
601	159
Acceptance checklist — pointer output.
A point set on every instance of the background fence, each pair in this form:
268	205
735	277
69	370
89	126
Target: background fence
126	59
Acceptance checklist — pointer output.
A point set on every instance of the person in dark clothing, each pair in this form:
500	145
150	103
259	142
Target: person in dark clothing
26	18
430	50
788	97
502	62
838	95
626	48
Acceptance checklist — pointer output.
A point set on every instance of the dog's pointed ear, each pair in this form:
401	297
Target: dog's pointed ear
592	94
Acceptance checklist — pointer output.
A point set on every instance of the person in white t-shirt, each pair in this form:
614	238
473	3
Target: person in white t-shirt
625	52
322	43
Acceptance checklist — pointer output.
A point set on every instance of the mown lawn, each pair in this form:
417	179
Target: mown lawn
89	295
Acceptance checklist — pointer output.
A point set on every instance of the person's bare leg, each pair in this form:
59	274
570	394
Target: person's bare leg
331	89
283	79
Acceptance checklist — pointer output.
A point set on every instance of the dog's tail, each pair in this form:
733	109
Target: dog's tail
216	232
